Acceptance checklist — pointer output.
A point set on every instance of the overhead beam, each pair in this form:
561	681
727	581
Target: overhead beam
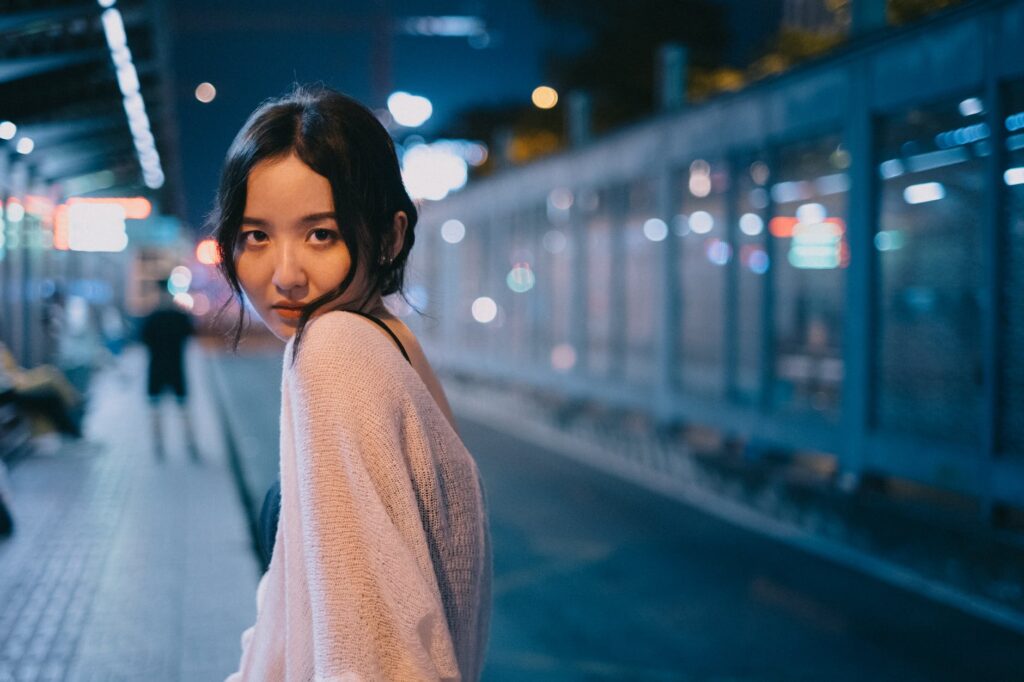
23	67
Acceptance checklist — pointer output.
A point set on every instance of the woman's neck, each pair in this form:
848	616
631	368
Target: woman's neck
378	309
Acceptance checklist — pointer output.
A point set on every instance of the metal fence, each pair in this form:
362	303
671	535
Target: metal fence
830	260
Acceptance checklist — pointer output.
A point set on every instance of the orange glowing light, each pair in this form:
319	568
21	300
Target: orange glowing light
60	228
207	252
38	205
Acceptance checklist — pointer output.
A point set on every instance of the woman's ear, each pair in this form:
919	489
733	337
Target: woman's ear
398	227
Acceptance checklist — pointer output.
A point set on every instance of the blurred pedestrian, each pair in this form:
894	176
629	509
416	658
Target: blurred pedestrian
165	332
381	562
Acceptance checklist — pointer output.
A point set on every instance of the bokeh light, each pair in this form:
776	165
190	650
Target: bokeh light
205	92
409	110
544	97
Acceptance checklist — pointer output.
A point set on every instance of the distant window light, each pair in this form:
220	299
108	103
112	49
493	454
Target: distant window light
811	213
8	130
837	183
25	145
796	190
918	163
971	107
924	192
960	136
893	168
1014	176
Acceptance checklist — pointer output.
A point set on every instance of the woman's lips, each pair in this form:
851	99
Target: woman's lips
288	313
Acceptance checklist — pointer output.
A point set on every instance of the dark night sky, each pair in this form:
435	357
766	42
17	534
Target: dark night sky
255	49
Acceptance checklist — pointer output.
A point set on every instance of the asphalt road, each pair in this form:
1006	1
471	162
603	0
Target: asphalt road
599	579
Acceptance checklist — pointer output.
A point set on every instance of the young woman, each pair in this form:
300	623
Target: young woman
381	564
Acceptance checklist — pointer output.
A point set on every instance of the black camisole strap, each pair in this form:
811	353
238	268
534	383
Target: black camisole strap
386	328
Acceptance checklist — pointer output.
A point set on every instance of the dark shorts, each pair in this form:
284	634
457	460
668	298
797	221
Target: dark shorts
158	383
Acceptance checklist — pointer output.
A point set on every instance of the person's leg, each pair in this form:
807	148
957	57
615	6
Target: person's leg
186	420
154	416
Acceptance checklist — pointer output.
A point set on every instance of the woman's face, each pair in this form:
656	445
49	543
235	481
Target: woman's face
289	250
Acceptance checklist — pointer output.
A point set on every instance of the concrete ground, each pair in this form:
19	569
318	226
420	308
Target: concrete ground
123	567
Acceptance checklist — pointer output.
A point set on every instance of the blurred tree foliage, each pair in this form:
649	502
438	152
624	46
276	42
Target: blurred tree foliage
616	66
619	65
904	11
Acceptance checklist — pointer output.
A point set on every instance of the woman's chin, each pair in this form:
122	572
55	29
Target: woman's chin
282	329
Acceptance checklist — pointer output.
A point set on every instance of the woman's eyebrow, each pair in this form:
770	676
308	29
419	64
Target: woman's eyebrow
311	218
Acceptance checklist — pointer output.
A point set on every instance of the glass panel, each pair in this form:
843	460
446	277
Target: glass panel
1011	431
810	253
471	285
555	279
516	272
598	220
704	251
928	245
642	278
752	215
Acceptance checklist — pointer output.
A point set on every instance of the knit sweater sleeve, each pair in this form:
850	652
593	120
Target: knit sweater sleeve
375	605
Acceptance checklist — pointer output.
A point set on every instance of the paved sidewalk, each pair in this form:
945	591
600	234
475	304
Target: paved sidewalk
123	567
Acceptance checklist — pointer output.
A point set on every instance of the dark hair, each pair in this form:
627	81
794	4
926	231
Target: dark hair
343	141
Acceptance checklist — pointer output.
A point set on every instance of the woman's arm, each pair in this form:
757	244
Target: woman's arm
375	605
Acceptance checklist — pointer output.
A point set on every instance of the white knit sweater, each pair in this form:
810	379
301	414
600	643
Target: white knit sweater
382	561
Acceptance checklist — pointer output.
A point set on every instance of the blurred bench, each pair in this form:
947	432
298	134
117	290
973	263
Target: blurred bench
15	432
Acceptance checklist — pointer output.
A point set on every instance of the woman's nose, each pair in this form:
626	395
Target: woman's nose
289	273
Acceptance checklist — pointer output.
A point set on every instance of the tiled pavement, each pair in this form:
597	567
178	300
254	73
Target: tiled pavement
123	567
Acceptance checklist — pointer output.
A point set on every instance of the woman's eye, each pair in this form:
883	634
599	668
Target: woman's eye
324	235
253	237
